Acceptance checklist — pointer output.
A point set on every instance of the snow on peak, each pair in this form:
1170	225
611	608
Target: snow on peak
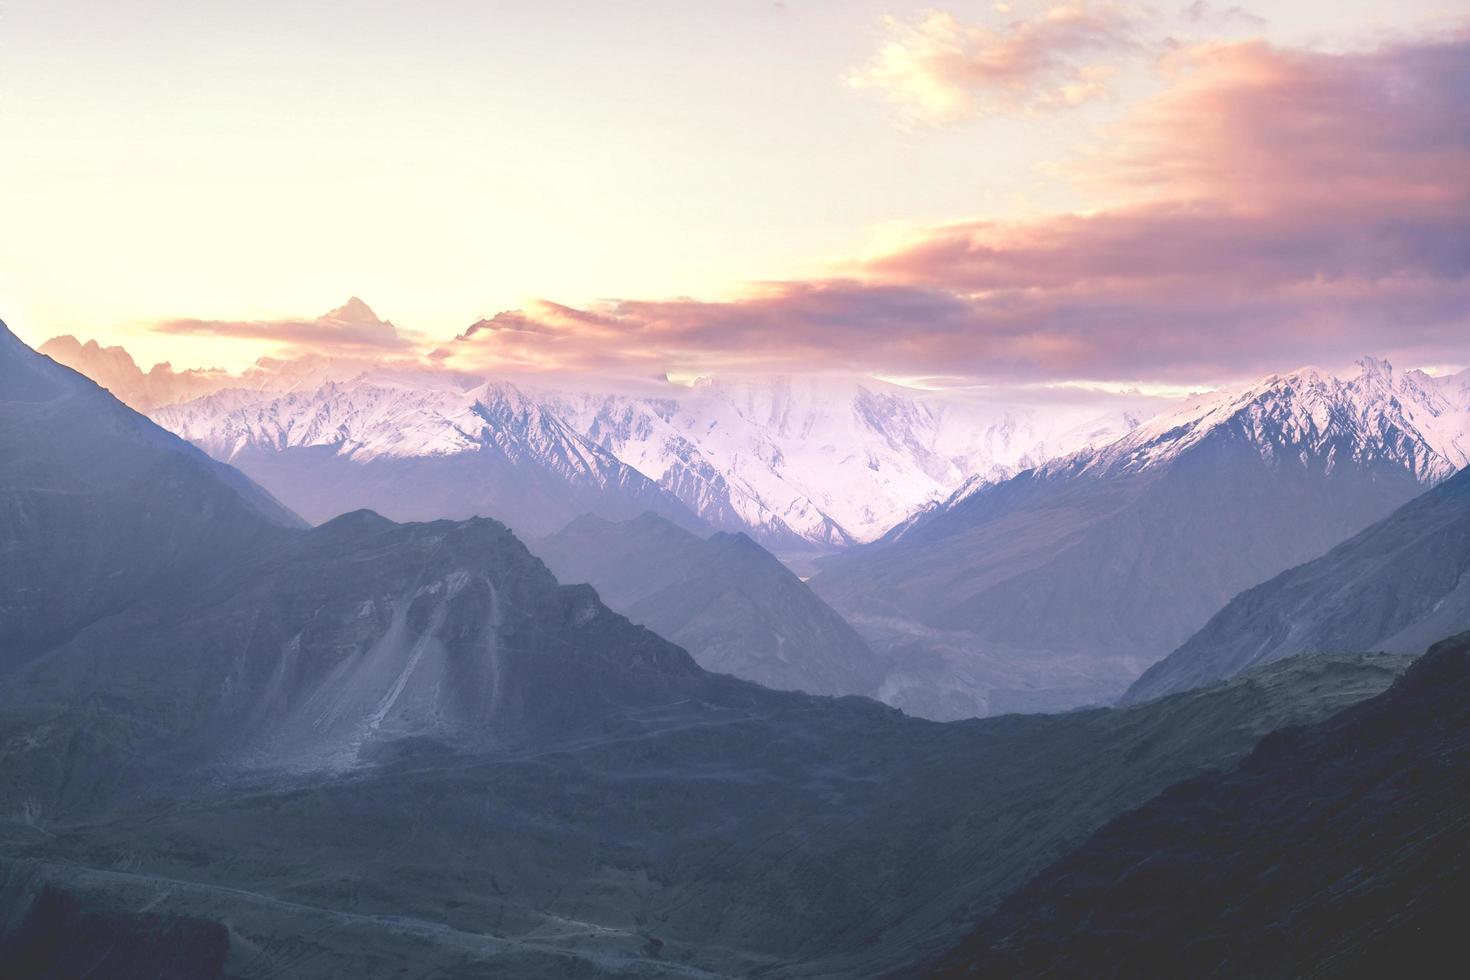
1378	414
823	459
369	417
1375	367
796	461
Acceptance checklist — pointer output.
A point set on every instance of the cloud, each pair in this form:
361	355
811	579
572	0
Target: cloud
939	70
1262	126
351	329
1202	14
1271	207
550	336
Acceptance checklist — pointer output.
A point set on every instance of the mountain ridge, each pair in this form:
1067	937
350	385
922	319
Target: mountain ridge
732	604
1084	571
455	449
1392	586
803	464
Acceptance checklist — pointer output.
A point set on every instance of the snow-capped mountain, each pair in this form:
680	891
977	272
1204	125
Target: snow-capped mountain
1069	579
1409	419
825	461
796	463
803	463
420	446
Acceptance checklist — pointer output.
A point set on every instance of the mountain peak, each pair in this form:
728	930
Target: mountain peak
354	311
26	376
11	346
588	523
1375	413
1374	367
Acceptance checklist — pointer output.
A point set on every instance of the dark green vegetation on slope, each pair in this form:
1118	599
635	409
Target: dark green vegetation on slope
1336	849
368	748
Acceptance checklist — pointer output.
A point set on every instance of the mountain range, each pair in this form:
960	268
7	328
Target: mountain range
800	464
1060	585
821	462
365	747
420	447
100	508
988	572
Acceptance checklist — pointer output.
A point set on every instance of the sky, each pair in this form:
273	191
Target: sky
1046	193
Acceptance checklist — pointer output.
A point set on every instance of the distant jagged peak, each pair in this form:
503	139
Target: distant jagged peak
1370	366
65	342
354	312
114	368
92	353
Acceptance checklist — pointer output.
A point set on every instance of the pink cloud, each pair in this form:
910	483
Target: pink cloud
1275	207
1249	124
351	329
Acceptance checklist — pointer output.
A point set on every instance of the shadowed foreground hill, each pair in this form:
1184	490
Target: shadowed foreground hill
1339	849
728	834
100	508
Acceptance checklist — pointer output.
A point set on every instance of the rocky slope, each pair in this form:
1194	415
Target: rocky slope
1395	586
420	447
1339	849
725	599
1068	580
